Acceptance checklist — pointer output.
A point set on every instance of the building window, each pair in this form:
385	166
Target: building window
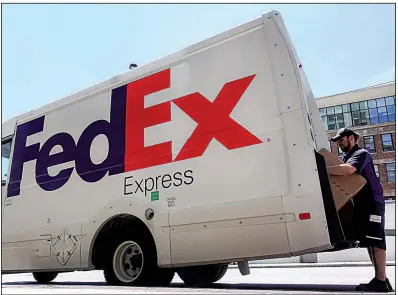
377	171
367	112
390	169
369	143
386	140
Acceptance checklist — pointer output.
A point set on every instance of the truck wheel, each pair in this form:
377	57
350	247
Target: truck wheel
132	261
199	276
44	277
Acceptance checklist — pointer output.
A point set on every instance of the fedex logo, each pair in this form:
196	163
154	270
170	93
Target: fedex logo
125	134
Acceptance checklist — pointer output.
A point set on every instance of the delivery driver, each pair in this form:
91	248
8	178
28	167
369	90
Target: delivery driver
369	206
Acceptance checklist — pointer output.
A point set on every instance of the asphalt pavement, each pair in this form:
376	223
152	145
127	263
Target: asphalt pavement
297	280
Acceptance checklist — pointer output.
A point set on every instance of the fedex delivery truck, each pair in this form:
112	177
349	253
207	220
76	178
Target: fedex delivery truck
202	158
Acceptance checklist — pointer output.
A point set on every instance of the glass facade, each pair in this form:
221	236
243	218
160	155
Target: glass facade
367	112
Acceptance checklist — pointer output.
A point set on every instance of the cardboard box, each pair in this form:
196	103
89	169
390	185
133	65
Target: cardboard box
344	188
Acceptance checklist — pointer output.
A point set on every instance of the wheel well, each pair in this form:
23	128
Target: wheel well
117	225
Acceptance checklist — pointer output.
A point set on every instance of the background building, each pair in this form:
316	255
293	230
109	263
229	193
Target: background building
370	112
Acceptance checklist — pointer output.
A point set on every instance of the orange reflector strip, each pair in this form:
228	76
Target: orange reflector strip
304	216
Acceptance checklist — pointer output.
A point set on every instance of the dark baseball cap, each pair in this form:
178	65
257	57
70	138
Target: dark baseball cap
344	132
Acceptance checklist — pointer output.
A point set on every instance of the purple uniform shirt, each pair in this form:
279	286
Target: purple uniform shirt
362	161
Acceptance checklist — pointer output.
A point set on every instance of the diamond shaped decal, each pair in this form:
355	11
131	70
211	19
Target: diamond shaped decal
64	246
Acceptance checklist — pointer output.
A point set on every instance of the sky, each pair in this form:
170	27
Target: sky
52	50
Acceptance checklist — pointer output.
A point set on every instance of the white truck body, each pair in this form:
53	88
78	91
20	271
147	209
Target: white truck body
218	139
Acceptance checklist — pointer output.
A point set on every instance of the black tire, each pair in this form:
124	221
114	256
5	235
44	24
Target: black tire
221	273
44	277
200	276
148	274
163	277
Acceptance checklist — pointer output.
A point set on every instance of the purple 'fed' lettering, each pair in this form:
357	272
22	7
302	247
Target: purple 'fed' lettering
78	152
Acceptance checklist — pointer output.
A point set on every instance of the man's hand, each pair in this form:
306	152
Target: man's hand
341	170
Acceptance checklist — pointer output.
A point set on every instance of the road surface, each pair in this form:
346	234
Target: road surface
305	280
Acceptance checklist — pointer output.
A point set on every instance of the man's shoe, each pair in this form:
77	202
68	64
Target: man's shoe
376	280
389	285
375	285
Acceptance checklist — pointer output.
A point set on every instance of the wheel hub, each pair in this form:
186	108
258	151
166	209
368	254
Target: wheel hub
128	261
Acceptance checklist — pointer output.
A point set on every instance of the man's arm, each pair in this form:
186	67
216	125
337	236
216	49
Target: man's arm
341	170
354	164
